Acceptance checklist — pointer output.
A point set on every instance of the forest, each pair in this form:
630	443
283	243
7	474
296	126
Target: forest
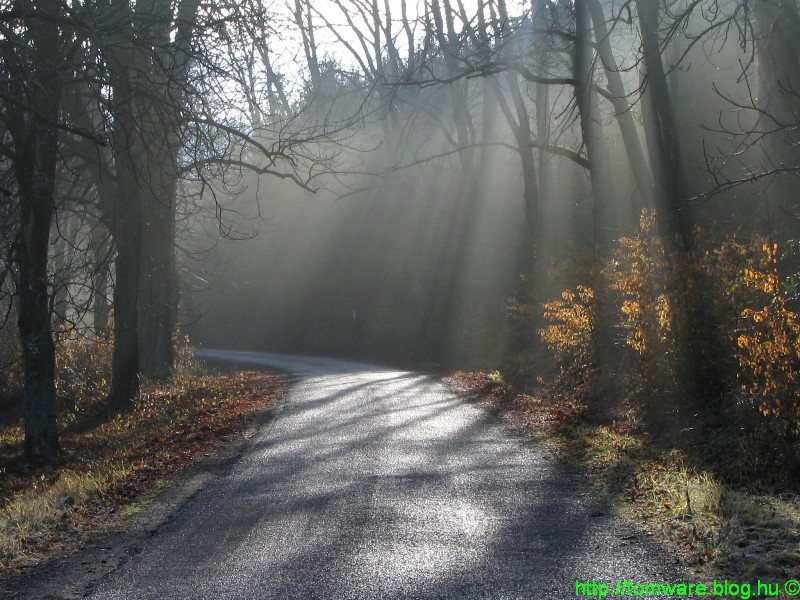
595	201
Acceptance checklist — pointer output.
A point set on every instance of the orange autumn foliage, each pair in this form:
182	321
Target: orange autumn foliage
769	347
572	320
643	275
755	334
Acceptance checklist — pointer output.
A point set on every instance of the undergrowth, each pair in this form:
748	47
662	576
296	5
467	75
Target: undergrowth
717	529
672	375
112	461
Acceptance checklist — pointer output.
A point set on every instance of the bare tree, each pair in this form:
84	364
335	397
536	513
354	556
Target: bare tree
36	47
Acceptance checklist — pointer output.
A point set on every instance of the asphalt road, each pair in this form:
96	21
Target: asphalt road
374	483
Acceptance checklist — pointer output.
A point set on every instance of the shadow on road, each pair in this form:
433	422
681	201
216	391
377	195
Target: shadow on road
382	484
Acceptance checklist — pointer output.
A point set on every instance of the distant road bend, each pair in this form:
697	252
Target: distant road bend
375	483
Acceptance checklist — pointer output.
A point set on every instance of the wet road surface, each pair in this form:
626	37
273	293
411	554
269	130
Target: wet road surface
374	483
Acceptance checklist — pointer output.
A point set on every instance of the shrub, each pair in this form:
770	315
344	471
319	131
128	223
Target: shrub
83	370
769	345
571	331
643	275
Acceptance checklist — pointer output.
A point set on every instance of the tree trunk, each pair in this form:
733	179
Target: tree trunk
101	308
697	359
591	129
35	141
548	245
158	295
777	51
622	110
64	250
158	300
519	123
604	358
31	125
127	230
158	283
125	363
661	134
529	268
38	349
126	68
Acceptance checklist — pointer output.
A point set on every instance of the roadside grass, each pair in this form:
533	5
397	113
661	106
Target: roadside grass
716	530
113	465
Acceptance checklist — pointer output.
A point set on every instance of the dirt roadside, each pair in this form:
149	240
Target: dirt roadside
72	575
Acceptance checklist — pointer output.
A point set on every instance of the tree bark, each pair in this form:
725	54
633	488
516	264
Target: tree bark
697	359
101	308
128	231
542	103
159	287
125	67
527	254
591	129
777	53
38	349
35	139
125	362
622	110
159	293
661	133
604	359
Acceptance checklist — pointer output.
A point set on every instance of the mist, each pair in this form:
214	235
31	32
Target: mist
409	244
564	192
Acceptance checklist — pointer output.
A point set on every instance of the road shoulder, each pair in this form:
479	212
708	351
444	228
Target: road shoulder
72	574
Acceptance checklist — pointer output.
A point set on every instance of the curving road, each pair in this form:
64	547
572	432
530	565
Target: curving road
374	483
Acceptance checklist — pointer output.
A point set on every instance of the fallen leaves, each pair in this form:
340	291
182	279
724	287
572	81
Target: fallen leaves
130	454
713	528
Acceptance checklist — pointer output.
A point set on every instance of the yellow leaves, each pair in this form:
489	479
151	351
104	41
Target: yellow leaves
572	321
653	289
632	308
640	271
647	221
769	349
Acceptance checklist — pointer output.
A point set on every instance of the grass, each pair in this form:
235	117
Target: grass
115	464
716	530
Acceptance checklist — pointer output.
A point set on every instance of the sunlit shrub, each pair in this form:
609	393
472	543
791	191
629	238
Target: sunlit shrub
745	324
642	273
83	368
572	321
769	346
185	361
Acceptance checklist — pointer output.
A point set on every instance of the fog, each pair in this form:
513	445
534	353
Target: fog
413	267
395	181
410	241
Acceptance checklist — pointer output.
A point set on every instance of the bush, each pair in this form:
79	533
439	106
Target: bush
570	334
643	275
752	333
769	345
